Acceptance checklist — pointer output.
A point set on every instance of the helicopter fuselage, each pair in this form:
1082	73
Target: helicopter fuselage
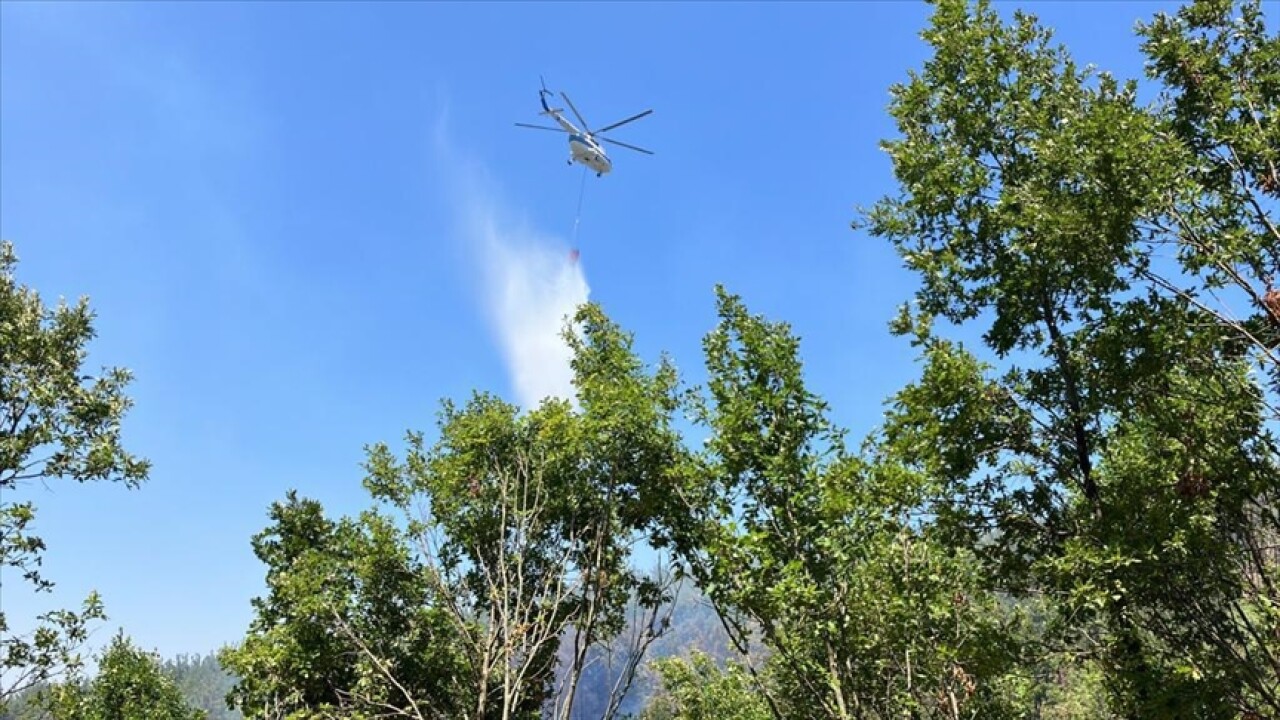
584	150
582	147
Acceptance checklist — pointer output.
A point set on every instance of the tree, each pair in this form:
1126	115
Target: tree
1221	75
694	688
56	422
1114	445
516	536
350	624
825	555
130	685
530	520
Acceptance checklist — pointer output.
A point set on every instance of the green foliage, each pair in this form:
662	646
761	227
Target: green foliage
523	526
532	517
57	422
350	623
697	689
130	685
1221	73
827	555
1059	687
201	680
1118	456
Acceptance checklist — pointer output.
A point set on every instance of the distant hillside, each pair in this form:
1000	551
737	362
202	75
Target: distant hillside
204	683
694	626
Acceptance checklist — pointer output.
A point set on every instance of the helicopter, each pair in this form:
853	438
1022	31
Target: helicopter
584	143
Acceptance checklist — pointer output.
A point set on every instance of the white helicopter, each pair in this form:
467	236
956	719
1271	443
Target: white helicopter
583	144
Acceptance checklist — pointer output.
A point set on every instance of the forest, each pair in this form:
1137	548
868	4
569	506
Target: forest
1072	511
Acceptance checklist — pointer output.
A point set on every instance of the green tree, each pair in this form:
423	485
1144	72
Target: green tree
350	624
530	519
56	422
695	688
517	534
1114	442
826	555
1221	77
130	685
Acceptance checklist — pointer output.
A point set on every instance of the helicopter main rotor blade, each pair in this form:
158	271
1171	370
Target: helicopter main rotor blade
575	112
541	127
629	147
620	123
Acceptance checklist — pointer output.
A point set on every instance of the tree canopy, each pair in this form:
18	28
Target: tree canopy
58	422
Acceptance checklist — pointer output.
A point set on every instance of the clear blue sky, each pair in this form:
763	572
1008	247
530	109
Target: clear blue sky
256	199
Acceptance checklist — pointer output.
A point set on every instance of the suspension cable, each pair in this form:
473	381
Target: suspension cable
582	189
